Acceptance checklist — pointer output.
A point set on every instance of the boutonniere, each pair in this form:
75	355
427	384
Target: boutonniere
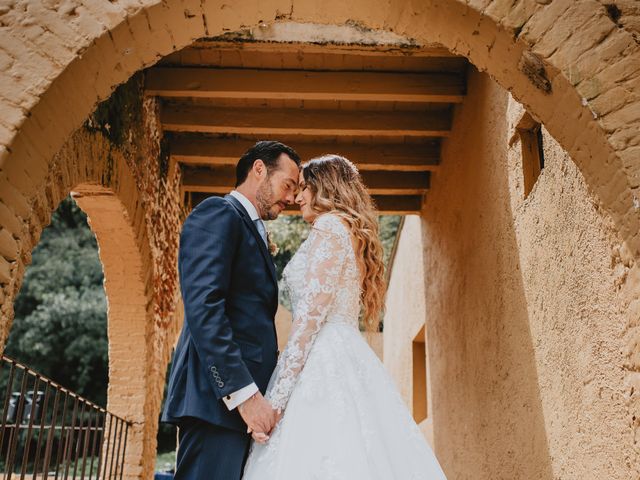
273	248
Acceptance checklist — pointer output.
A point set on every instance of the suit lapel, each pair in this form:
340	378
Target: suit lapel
261	245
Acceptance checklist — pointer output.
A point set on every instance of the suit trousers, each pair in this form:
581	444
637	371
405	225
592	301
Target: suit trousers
210	452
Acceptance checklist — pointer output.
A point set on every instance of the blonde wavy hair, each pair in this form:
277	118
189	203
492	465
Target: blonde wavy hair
337	187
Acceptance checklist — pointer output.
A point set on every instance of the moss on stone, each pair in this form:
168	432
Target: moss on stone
121	114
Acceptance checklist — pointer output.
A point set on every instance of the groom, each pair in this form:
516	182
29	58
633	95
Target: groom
227	349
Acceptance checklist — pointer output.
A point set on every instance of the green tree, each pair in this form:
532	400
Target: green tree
287	232
60	326
389	225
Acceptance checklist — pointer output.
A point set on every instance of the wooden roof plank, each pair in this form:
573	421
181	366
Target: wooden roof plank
387	205
222	180
227	150
281	122
304	85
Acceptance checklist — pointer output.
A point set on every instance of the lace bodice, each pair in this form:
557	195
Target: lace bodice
323	282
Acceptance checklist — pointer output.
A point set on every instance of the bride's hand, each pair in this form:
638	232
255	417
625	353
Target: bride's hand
260	437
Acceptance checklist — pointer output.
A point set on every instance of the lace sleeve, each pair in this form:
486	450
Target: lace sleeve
328	245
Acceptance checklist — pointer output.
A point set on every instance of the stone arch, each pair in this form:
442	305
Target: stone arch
122	198
103	183
130	325
533	50
561	59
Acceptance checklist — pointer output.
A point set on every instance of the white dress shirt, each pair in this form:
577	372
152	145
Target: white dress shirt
240	396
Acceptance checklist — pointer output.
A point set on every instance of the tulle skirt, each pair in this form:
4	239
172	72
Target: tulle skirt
345	420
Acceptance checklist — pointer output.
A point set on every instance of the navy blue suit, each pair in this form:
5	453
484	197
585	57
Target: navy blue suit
230	294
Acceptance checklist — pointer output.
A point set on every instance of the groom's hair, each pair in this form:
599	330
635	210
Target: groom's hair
269	152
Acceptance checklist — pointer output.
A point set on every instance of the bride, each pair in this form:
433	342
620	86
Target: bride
342	417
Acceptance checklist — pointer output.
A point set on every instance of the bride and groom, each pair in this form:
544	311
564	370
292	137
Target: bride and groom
324	408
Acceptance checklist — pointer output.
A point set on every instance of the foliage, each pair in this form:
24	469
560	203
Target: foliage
117	117
166	461
287	232
389	225
60	326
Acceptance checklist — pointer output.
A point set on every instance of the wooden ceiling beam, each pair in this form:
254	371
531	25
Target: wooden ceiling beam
322	58
387	205
293	122
222	180
219	151
304	85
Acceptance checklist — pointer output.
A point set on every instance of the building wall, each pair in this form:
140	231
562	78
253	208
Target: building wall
405	313
527	311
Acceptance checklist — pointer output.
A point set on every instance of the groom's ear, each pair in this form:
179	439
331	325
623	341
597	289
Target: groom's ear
259	168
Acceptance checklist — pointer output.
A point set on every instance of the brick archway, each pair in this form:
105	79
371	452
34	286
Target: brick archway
565	80
106	187
129	322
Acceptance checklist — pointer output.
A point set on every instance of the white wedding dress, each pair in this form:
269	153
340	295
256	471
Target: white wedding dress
343	416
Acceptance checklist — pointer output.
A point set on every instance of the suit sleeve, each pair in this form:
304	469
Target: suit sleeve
208	245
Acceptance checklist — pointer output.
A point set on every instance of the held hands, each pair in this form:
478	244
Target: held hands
259	416
263	437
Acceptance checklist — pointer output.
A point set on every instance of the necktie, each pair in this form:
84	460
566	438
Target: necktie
261	230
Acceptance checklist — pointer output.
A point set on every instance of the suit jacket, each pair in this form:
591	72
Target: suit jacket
230	293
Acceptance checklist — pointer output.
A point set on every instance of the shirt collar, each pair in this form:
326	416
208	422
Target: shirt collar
248	206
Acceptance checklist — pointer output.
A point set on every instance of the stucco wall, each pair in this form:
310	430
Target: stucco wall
405	312
405	306
524	314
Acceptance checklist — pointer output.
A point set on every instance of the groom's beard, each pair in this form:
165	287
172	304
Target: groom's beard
264	199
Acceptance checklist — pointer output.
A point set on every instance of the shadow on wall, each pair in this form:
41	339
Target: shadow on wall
488	417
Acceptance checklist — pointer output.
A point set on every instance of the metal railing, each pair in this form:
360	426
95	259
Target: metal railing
49	432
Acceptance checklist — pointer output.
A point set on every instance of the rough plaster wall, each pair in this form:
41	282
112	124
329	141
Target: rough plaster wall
405	312
405	306
571	273
524	320
283	326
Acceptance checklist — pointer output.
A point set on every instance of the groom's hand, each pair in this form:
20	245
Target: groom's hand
258	414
